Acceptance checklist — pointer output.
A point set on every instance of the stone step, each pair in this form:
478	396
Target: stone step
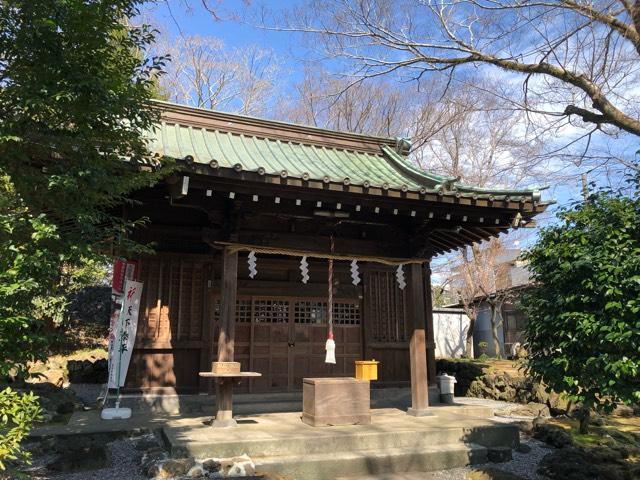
187	404
256	402
329	466
257	408
341	440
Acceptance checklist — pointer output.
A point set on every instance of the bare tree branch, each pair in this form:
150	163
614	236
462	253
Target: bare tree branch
579	58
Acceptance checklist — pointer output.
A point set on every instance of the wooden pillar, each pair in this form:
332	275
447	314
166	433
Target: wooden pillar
228	293
226	337
417	344
431	344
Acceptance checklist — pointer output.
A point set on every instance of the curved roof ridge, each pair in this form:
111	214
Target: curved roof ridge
278	130
452	183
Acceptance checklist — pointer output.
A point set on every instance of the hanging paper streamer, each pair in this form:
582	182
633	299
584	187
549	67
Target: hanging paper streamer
400	277
304	270
330	347
252	261
355	274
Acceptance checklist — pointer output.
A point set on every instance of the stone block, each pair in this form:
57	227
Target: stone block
336	401
499	454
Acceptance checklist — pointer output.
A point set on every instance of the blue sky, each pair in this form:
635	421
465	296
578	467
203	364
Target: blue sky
196	20
174	17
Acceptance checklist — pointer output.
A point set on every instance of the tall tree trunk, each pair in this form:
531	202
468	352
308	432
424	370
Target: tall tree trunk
494	329
468	347
585	417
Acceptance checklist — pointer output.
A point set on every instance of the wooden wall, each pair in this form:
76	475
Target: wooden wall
177	329
386	330
174	325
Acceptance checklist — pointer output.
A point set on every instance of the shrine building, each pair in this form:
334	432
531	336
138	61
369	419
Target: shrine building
258	203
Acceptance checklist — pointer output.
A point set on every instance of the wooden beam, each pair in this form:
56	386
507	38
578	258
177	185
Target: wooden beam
439	241
314	242
248	183
469	233
431	344
417	344
326	254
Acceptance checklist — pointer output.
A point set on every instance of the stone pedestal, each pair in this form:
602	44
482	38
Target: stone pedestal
335	401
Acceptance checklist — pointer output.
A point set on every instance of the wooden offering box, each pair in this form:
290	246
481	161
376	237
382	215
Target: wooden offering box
225	367
335	401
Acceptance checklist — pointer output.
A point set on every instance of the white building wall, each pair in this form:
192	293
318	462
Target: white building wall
450	327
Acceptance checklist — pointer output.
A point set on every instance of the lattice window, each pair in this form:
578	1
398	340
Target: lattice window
216	310
271	311
385	305
313	312
243	311
346	314
309	312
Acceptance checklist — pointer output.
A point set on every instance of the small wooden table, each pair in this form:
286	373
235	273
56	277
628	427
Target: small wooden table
224	395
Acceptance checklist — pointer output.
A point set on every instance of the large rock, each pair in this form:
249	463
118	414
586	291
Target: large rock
241	466
523	448
211	465
55	401
465	371
597	463
499	454
552	435
196	472
507	388
157	467
174	467
152	460
87	371
529	410
622	410
491	473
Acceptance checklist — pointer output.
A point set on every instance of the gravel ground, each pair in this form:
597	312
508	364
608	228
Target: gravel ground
122	457
526	464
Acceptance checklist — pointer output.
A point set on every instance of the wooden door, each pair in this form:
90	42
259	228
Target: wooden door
283	338
386	325
310	335
270	354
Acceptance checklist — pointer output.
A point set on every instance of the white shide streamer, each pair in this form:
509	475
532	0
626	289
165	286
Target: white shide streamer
304	270
252	261
355	273
400	277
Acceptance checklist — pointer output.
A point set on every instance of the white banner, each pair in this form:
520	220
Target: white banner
122	334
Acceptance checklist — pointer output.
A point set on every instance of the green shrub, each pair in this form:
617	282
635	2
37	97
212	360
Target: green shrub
18	411
583	330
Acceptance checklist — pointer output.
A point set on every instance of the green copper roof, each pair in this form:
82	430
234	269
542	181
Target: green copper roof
381	166
275	156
